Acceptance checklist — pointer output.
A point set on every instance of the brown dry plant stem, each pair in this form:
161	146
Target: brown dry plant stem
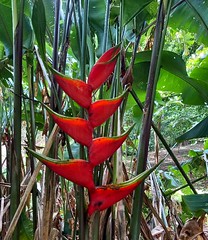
30	185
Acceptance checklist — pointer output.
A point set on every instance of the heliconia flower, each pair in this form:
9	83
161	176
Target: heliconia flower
101	110
103	67
76	170
105	196
76	89
104	147
78	128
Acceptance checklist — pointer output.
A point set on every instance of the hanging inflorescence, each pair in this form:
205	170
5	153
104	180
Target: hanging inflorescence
100	149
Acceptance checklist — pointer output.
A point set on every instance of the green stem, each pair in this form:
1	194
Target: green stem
83	230
106	25
135	224
65	40
54	93
17	64
32	136
84	40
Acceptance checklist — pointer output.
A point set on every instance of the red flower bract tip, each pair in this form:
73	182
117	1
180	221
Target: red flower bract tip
77	128
105	196
101	110
104	147
103	67
78	90
76	170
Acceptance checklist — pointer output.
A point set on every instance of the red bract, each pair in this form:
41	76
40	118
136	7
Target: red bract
105	196
101	110
77	128
103	67
104	147
99	149
78	171
78	90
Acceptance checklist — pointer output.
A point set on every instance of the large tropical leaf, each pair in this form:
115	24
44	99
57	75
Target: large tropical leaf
133	8
198	131
39	25
6	35
96	20
196	203
6	28
134	26
191	16
173	77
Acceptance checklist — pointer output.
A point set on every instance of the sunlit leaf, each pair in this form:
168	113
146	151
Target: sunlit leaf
191	15
173	77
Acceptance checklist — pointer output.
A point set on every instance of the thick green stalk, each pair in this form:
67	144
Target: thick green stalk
83	229
106	25
66	31
17	64
32	136
147	117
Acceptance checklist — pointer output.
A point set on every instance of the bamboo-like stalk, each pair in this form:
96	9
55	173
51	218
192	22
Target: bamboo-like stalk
83	227
106	25
66	31
148	113
31	138
17	64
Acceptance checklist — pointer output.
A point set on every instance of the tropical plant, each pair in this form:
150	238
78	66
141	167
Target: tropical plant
47	50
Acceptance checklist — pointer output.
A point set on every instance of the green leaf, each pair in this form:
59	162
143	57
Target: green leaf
6	35
134	26
26	231
6	28
96	21
133	8
39	25
199	73
75	42
5	72
173	77
196	203
137	116
198	131
191	16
